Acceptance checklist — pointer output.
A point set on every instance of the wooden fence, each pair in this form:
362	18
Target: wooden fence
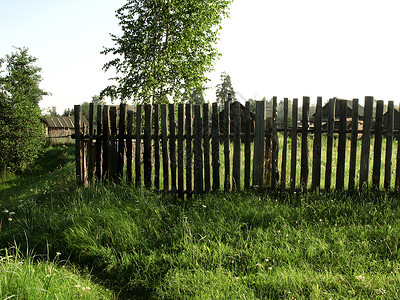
186	149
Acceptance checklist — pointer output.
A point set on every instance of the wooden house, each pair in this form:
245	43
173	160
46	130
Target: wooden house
396	119
232	117
60	126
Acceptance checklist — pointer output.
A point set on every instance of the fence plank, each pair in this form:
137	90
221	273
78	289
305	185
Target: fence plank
329	144
366	141
227	131
181	127
376	168
353	147
138	172
129	148
247	146
106	140
341	147
147	165
206	147
259	140
172	145
112	157
121	142
90	143
198	159
316	172
189	153
215	147
164	145
389	145
397	178
156	119
293	161
285	143
236	128
304	144
275	144
78	150
98	143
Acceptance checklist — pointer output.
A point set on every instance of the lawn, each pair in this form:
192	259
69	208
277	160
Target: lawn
129	243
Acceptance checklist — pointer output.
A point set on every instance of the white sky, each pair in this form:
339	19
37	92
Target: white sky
286	48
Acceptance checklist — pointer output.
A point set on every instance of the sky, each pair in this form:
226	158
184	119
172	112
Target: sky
287	48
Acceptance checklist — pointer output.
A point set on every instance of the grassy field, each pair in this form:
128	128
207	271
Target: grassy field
104	242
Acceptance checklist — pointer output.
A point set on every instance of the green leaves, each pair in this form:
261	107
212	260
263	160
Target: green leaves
165	50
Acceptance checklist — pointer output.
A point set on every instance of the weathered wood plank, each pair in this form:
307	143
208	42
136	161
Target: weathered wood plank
397	178
366	141
353	146
293	157
376	168
215	147
181	127
304	144
206	147
341	147
172	145
90	143
227	133
129	148
78	158
164	145
189	153
98	143
138	169
236	170
121	142
112	157
106	142
247	146
147	165
259	143
389	146
285	142
275	145
156	121
198	157
329	144
316	172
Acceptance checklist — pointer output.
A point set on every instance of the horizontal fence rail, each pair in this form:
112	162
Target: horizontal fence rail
190	149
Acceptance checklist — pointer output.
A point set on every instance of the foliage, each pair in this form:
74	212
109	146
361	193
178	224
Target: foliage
85	108
21	131
165	49
224	88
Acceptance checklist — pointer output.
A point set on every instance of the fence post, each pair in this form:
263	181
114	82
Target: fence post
376	169
206	147
156	147
293	160
316	169
329	144
98	143
353	147
147	145
181	122
106	139
129	148
78	158
90	143
227	133
112	157
285	142
215	147
164	145
341	147
389	145
304	144
366	141
198	160
138	173
236	147
121	142
259	140
189	153
247	146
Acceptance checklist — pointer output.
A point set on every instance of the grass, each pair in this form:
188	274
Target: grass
145	245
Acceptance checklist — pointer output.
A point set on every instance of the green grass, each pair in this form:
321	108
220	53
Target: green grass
246	245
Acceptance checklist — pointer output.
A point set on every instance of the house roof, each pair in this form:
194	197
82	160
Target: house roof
63	122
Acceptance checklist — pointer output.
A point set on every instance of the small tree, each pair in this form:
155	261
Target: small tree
225	88
21	131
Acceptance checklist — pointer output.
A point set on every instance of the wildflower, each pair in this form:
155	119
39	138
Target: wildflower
204	205
9	219
360	278
58	253
77	286
5	211
11	213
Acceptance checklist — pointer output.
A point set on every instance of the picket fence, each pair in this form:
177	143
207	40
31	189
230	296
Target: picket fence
180	151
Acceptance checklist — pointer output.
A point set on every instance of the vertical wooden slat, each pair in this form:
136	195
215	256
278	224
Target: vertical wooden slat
98	142
112	157
275	145
316	172
164	145
90	143
156	121
138	171
293	160
121	142
172	145
129	148
285	143
329	144
106	142
247	146
353	147
189	153
147	166
215	147
227	132
304	144
341	147
206	147
397	178
78	144
181	124
389	145
236	184
198	160
376	168
259	141
366	141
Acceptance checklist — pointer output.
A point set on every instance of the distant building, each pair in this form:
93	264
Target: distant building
60	126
